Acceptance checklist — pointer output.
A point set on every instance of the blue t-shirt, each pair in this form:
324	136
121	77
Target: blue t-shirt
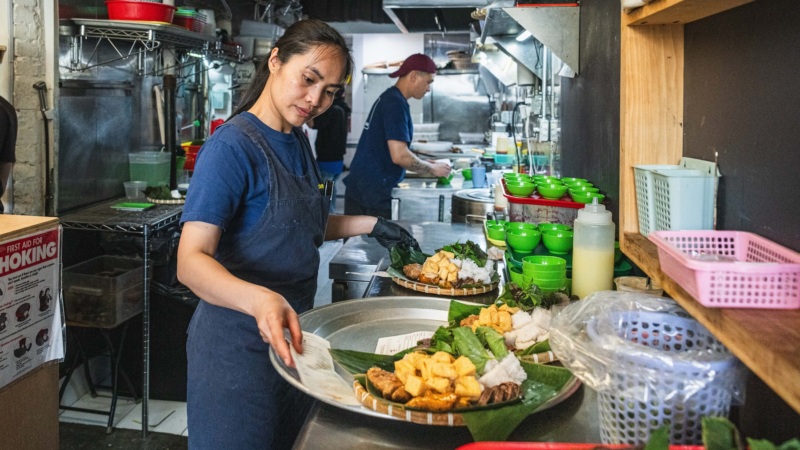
373	175
230	184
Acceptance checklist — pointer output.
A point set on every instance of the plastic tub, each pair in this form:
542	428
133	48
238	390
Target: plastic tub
152	167
104	291
140	11
732	269
134	190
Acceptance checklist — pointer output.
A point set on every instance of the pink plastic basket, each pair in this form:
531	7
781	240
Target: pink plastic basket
731	269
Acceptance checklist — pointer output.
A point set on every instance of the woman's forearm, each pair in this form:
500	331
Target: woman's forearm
348	226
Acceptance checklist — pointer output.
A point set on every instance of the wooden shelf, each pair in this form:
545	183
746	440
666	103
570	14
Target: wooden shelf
672	12
765	340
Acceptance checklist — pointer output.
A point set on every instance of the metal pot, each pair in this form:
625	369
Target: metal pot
471	205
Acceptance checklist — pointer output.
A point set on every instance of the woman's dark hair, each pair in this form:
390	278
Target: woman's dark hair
298	39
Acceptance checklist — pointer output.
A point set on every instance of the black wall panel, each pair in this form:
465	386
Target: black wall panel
742	101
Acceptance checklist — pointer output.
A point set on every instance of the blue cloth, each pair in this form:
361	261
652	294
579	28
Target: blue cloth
373	175
235	397
230	184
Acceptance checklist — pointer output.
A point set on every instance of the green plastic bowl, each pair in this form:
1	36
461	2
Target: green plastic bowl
571	180
512	262
545	226
558	241
467	173
515	275
580	190
520	189
497	232
445	180
523	240
550	284
552	191
520	226
581	183
540	264
588	197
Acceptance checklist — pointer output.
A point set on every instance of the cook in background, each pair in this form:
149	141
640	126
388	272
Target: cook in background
331	142
8	143
255	214
382	156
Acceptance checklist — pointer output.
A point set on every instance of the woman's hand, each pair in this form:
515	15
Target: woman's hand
273	313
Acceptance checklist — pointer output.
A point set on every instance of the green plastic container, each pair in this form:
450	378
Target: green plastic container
152	167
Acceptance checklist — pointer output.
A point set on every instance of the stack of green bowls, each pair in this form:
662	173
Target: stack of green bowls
547	272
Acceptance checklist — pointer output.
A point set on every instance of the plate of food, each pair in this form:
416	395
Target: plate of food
461	374
458	269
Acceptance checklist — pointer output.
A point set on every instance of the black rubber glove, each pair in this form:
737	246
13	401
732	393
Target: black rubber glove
390	234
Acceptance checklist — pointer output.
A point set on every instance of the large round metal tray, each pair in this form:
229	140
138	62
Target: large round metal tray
358	324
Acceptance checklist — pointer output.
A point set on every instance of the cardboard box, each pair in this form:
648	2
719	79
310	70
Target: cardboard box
30	406
30	331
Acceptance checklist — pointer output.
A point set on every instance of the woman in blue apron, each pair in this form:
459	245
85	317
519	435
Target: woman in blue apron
255	215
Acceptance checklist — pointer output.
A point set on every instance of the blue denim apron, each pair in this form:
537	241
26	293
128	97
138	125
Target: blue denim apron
235	398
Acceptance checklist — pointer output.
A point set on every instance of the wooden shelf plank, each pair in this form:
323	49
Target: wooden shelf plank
765	340
672	12
651	107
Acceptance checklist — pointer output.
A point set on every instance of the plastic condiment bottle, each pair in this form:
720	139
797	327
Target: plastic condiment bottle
593	250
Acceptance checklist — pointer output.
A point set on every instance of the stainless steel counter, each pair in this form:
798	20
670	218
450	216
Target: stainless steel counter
351	268
424	200
574	420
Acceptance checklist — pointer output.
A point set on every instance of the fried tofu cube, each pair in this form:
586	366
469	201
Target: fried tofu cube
444	370
464	367
452	268
468	387
443	357
452	276
426	368
436	258
415	386
448	255
403	369
439	384
443	273
415	358
504	321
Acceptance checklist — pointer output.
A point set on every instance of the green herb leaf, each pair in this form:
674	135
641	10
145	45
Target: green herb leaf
659	439
467	344
494	340
460	311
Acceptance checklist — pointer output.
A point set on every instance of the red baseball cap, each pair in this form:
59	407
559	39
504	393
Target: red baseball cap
417	61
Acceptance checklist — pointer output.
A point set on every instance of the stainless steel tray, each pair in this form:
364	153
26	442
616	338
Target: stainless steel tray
358	324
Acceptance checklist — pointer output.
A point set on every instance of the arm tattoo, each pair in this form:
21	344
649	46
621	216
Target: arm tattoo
419	166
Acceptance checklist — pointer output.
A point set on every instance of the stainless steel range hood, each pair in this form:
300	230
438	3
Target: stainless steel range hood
432	15
556	27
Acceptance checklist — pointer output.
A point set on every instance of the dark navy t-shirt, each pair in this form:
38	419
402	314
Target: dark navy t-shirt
373	175
230	184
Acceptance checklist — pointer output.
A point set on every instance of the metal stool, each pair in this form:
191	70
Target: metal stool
114	356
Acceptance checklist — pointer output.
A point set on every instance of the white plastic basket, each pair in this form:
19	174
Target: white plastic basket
676	197
647	391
